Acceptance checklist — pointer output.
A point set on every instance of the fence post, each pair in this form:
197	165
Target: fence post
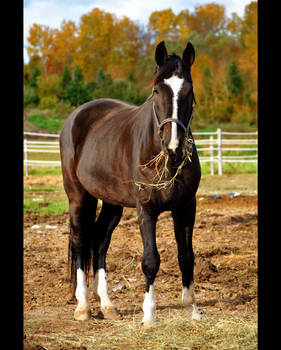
26	157
212	154
219	141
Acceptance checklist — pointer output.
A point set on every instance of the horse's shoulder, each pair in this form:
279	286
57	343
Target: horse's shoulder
82	118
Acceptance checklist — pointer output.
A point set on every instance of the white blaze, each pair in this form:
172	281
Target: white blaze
175	84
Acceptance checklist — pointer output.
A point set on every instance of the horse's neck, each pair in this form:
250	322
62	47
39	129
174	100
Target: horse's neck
148	138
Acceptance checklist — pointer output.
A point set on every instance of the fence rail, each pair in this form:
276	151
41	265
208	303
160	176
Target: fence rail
219	148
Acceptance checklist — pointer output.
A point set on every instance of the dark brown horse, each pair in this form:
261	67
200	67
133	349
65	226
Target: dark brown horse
139	157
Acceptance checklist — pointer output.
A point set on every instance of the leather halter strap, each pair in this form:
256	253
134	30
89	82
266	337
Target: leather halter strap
171	120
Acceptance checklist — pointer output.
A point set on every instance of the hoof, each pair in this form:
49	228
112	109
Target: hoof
148	323
82	314
110	313
193	313
196	315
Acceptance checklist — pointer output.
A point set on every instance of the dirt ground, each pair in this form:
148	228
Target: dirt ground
225	247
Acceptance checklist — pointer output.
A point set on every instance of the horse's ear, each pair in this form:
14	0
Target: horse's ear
161	54
188	55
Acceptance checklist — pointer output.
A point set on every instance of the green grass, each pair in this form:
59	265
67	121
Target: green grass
46	122
243	183
41	171
202	127
45	200
49	199
230	168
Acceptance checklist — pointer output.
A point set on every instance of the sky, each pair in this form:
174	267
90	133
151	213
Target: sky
52	12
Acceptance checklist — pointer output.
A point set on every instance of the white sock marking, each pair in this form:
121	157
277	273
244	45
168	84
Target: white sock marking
188	299
149	306
81	292
175	84
102	289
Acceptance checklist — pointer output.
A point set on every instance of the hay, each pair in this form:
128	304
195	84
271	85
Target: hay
160	162
170	332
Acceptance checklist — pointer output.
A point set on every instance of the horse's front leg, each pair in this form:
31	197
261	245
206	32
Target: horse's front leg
150	261
184	217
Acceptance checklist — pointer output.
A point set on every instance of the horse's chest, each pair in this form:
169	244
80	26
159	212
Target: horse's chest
171	198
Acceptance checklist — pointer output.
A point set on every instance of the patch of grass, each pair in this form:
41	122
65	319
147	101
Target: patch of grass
49	199
209	127
230	168
45	200
243	183
43	188
46	122
41	171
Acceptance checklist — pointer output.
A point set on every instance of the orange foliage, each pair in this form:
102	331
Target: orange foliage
121	47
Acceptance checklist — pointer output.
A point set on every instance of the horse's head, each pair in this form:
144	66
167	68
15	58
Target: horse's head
173	96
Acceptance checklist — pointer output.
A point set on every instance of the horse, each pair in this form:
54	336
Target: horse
141	157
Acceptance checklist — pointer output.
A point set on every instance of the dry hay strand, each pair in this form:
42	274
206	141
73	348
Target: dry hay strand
173	332
160	162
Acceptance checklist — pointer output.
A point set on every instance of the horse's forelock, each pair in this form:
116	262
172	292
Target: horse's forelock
167	69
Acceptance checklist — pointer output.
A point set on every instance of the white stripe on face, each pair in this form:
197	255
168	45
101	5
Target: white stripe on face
175	83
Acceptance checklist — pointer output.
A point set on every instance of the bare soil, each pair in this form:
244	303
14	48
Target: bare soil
225	247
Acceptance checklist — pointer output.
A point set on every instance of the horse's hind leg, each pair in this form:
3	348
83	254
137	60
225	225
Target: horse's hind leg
82	211
184	217
108	219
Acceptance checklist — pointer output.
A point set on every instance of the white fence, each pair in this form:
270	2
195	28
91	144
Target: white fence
34	146
217	148
221	147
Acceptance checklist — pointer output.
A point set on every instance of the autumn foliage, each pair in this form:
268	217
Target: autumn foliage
108	56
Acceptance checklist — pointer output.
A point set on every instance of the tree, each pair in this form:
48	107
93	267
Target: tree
65	79
124	51
101	77
235	81
94	42
41	39
64	45
32	81
208	18
163	24
77	92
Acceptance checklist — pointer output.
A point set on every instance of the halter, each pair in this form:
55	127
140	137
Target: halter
171	120
188	141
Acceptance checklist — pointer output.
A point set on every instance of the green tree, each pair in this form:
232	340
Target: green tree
235	80
77	91
100	77
32	81
65	78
